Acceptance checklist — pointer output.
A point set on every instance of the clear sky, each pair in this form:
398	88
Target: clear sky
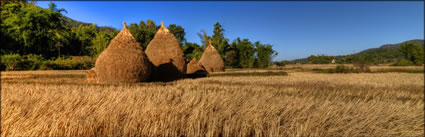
295	29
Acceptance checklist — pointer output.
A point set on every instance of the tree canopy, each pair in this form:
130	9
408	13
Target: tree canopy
27	29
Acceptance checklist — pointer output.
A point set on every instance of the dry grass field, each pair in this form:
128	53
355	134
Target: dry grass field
233	103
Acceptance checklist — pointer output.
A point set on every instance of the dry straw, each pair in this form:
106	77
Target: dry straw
166	54
195	70
123	61
211	59
91	75
193	66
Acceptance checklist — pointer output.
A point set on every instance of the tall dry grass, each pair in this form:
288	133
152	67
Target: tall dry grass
373	68
300	104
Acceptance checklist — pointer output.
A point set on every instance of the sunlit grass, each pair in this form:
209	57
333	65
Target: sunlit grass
234	103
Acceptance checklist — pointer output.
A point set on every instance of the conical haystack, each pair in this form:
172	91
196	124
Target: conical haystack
166	54
211	59
123	61
195	70
193	66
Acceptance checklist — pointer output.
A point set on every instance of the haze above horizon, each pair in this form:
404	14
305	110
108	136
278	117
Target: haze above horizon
295	29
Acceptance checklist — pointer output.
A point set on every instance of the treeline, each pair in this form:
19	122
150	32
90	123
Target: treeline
404	54
28	31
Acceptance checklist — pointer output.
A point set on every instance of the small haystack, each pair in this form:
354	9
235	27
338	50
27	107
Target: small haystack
193	66
211	59
91	75
123	61
166	54
195	70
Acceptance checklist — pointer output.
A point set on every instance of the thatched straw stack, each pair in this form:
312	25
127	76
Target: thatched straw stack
211	59
91	75
193	66
166	54
123	61
195	70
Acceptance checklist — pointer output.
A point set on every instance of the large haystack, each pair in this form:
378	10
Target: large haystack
166	54
123	61
211	60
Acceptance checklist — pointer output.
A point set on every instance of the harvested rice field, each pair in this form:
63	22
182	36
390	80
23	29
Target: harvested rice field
232	103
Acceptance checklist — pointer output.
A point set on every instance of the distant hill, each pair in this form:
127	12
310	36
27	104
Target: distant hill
386	53
73	23
388	47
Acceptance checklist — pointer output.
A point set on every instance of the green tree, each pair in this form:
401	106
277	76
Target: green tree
192	50
320	59
218	40
245	52
178	32
100	43
10	61
144	32
231	58
85	35
265	53
413	52
30	29
53	7
204	38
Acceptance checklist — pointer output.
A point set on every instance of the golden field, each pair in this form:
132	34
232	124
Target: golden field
61	103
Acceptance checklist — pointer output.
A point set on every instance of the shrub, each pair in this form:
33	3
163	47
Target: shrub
67	64
403	62
10	61
340	69
31	62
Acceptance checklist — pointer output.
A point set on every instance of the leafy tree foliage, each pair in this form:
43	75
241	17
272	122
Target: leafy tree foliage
246	51
178	31
192	50
218	40
100	43
144	32
413	53
265	53
204	38
53	7
31	35
30	29
320	59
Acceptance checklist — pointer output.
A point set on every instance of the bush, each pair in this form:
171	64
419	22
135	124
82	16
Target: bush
37	62
31	62
67	63
403	62
10	61
342	69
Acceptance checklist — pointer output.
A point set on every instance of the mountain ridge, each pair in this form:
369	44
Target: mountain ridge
383	49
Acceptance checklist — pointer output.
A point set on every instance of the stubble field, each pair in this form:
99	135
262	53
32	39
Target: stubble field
233	103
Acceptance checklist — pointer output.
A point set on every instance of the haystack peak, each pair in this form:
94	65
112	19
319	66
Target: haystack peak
210	43
125	25
125	31
163	29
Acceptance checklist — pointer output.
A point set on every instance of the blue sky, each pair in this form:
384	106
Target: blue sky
295	29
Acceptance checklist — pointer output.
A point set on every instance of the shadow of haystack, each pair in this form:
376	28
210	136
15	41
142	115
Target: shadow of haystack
195	70
165	72
198	74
